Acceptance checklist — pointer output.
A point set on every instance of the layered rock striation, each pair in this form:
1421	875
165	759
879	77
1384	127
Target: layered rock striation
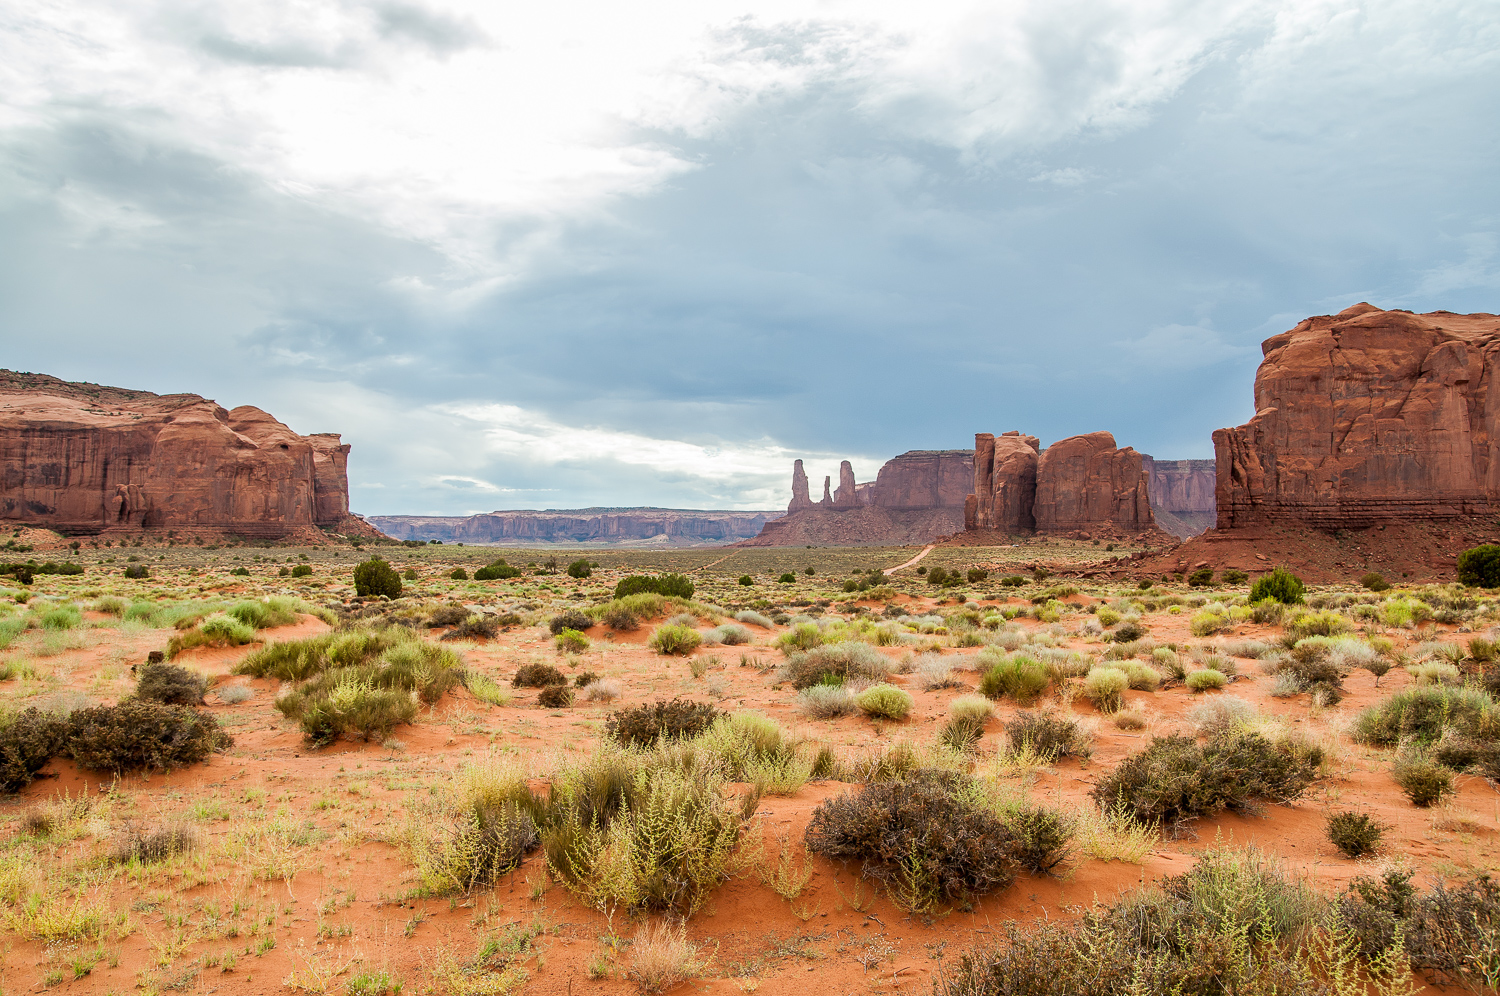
1182	494
85	459
1368	417
669	527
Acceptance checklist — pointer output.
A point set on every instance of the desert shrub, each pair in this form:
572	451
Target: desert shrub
140	734
302	571
265	613
1041	837
169	684
1448	931
1174	779
752	618
728	634
346	703
934	671
135	572
1434	673
1208	622
580	569
826	702
674	638
217	630
1355	834
1206	679
28	740
803	636
923	837
1421	715
571	619
481	829
498	571
1107	616
584	678
1233	577
619	617
1143	678
662	958
971	707
234	694
884	702
537	676
749	747
834	663
602	690
1201	577
458	574
670	585
625	830
570	641
1424	780
376	577
1019	677
148	845
1280	585
1105	687
555	697
1220	714
1482	650
1323	622
644	725
1130	631
298	660
473	627
1480	566
112	605
1374	582
961	734
1050	735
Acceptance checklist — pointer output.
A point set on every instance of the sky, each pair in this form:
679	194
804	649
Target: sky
581	253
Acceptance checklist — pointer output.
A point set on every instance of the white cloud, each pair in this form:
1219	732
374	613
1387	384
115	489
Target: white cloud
1480	266
1182	347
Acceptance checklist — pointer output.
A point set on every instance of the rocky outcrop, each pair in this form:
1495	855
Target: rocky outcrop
1366	417
800	498
925	479
671	527
1086	483
845	497
1182	494
85	459
1004	483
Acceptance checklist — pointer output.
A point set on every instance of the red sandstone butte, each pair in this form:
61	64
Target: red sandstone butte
1086	483
1004	483
84	459
1367	417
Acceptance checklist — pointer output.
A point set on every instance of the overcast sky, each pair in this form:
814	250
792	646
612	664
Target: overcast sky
535	255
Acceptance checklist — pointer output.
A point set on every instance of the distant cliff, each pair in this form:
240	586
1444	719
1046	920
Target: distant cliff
86	459
582	526
1182	494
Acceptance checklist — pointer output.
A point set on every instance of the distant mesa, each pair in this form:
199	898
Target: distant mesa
640	527
84	459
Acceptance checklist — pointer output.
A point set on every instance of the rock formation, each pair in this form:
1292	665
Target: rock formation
85	459
1182	494
1367	417
800	498
1004	483
648	527
916	497
1086	483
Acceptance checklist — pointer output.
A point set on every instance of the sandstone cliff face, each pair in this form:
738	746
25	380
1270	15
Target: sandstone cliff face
800	497
82	459
1368	416
925	479
1084	483
1004	483
845	496
605	526
1182	494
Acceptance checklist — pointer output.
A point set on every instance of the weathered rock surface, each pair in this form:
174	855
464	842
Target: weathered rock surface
1182	494
1004	483
800	497
84	459
845	496
869	525
1368	416
925	479
588	526
1086	483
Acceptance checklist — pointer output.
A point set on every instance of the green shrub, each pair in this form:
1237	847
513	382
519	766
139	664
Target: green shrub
961	734
922	837
141	734
458	574
1041	837
1321	623
1129	631
786	578
1105	687
481	831
1480	566
305	571
803	636
376	577
555	697
669	585
1206	679
644	725
240	572
1280	585
1355	834
1107	616
1421	715
1374	582
1051	735
265	614
28	740
971	707
537	676
1424	781
746	580
1018	677
570	641
835	662
580	569
169	684
133	571
62	617
370	695
728	634
1208	622
674	638
1201	577
619	617
497	571
217	630
1174	779
1233	577
571	619
884	702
